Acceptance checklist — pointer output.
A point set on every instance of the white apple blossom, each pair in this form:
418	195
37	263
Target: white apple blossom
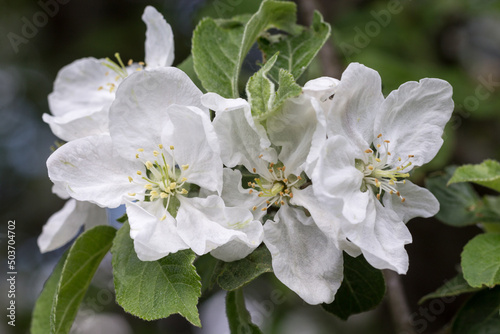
361	176
83	92
84	89
304	258
161	149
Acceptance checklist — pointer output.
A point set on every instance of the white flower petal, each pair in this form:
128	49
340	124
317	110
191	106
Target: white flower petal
242	140
138	114
381	237
65	224
206	224
76	88
153	238
303	257
327	216
293	128
195	143
234	195
413	117
78	123
355	104
60	190
91	171
322	89
419	202
159	46
335	177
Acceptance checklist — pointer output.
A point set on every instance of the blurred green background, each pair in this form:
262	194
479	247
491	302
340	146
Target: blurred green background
455	40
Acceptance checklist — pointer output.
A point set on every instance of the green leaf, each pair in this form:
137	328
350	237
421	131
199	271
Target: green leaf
260	90
208	268
40	321
296	52
236	274
155	289
287	88
486	174
458	202
239	319
220	46
454	287
80	266
362	289
480	314
481	260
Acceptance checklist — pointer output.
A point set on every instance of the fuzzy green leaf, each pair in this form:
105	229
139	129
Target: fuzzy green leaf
220	46
481	260
236	274
82	261
454	287
486	174
155	289
40	321
362	289
239	319
296	52
260	90
480	314
458	202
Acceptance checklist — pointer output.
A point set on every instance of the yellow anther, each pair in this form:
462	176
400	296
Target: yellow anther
285	180
117	78
403	200
378	196
139	172
411	156
268	202
270	170
271	165
184	167
149	165
287	191
160	146
370	167
282	202
399	159
140	149
249	184
254	170
379	135
184	179
137	155
250	191
254	208
386	141
172	147
391	182
163	194
130	179
260	156
283	169
377	159
388	153
263	209
131	194
398	193
155	153
391	192
138	69
281	193
299	177
276	203
291	195
100	88
141	63
163	217
260	194
368	151
184	191
173	185
130	61
154	193
148	186
378	145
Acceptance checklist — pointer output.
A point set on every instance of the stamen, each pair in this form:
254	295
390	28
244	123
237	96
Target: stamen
379	135
130	179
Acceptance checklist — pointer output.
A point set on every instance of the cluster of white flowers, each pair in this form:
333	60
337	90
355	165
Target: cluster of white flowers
327	173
